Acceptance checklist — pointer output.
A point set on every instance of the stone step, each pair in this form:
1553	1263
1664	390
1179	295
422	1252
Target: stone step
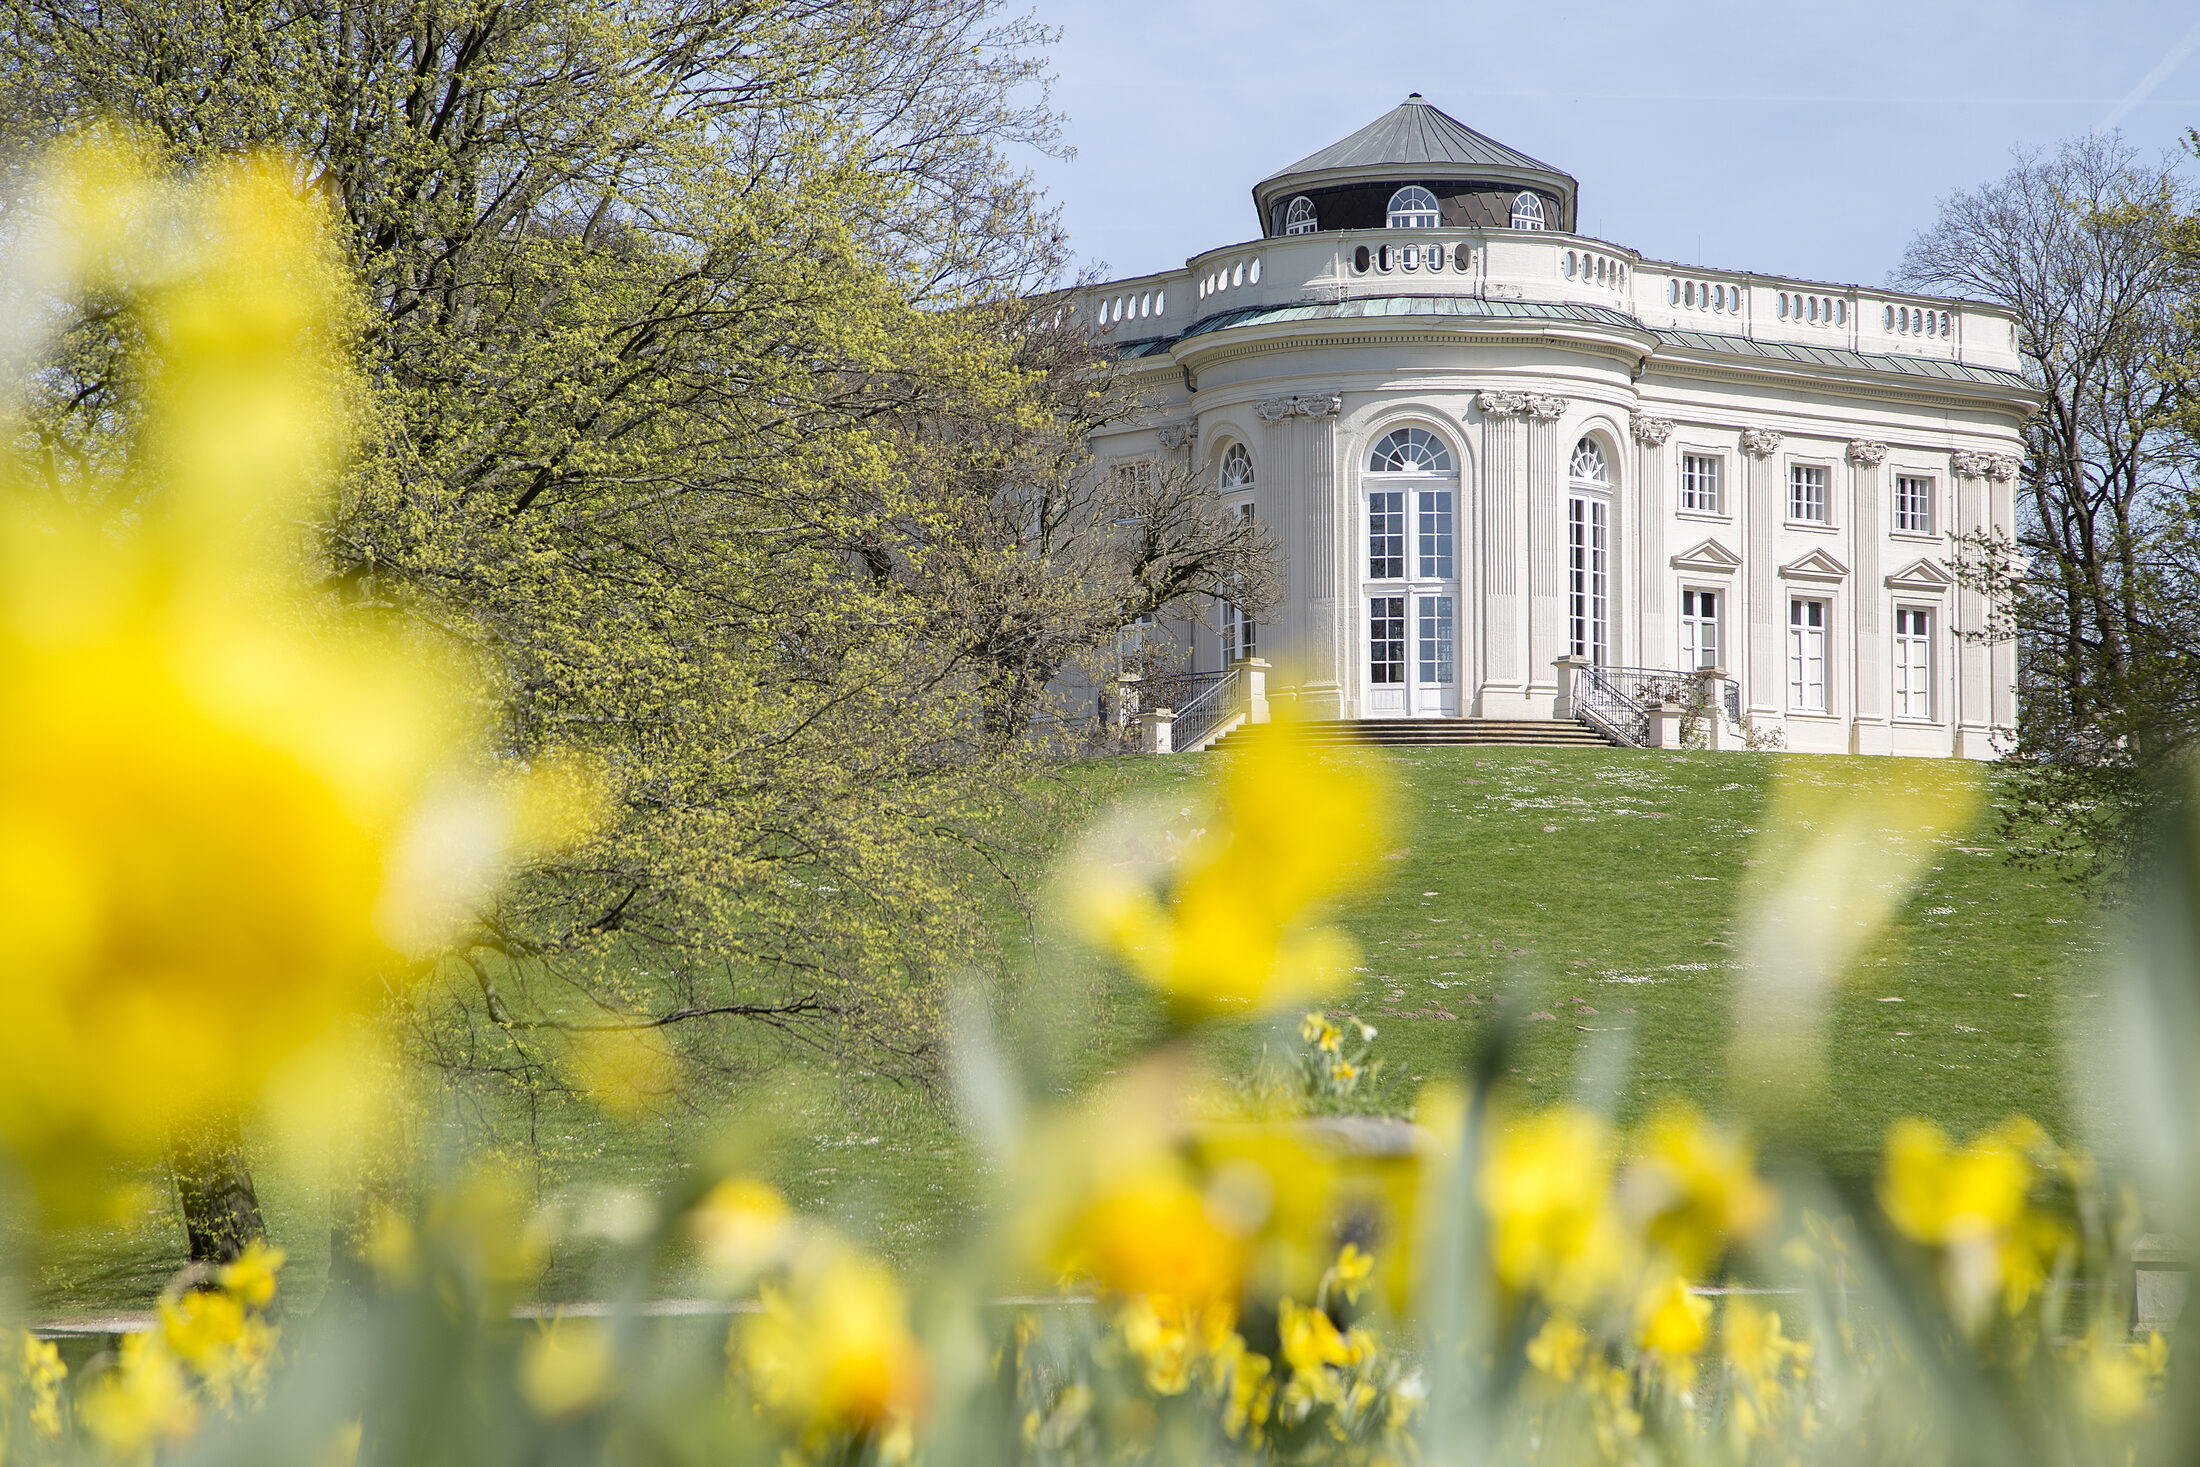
1434	733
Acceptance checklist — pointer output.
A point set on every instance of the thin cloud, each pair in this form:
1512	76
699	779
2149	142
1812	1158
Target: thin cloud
2154	78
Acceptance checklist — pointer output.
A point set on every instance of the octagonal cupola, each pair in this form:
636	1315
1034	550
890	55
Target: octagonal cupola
1415	167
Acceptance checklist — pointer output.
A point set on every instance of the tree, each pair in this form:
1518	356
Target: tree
710	412
2098	584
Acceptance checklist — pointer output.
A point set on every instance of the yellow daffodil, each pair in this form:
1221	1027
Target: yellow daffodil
250	1280
565	1367
1546	1184
1559	1348
142	1402
41	1369
1974	1202
832	1351
741	1226
1695	1188
228	817
1237	929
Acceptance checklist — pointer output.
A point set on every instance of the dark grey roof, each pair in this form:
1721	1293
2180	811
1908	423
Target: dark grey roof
1415	132
1470	308
1838	356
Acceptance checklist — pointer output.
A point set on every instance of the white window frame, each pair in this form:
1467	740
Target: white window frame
1388	611
1527	211
1801	637
1436	638
1299	216
1237	469
1692	623
1824	471
1913	663
1240	634
1930	528
1589	575
1717	508
1407	210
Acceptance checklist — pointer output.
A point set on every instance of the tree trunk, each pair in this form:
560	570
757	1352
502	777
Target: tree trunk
221	1211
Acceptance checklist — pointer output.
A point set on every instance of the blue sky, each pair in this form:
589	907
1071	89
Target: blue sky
1810	140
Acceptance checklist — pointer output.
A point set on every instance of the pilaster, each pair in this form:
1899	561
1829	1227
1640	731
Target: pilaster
1763	615
1657	636
1869	729
1503	629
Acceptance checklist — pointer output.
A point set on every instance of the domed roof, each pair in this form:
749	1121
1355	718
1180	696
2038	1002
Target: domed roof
1412	141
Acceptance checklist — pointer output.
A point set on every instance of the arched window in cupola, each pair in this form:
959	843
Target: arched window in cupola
1410	451
1412	207
1527	212
1299	218
1237	469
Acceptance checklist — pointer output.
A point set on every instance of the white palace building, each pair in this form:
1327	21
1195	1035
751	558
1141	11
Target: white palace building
1506	462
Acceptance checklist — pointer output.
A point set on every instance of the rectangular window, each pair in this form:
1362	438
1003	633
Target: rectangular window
1436	639
1588	578
1913	504
1701	490
1699	629
1913	663
1807	656
1807	497
1386	534
1433	551
1240	636
1386	639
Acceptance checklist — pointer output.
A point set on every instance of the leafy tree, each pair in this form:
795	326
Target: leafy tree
712	410
2100	583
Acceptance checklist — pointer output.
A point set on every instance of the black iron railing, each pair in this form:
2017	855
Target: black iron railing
1618	701
1206	708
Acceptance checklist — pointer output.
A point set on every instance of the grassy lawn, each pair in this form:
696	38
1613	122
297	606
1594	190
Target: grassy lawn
1602	885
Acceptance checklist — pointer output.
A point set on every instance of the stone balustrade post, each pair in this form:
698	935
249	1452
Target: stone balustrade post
1255	672
1156	728
1665	725
1570	671
1711	697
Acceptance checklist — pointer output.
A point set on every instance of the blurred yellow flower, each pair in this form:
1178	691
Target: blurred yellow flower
2117	1381
742	1226
217	803
1974	1202
1237	930
1150	1232
1317	1353
1671	1321
565	1367
250	1280
832	1350
142	1402
1695	1188
1559	1348
40	1367
1546	1183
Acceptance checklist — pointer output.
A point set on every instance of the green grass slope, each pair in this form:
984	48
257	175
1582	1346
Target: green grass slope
1602	886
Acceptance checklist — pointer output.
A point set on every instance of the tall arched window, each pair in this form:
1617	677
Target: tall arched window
1412	207
1237	469
1299	218
1410	451
1589	553
1527	212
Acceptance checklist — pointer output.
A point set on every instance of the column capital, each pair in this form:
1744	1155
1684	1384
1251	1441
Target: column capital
1650	432
1761	442
1866	452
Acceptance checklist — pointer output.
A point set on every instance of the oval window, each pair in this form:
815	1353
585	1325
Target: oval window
1409	258
1462	258
1436	257
1382	258
1254	274
1359	259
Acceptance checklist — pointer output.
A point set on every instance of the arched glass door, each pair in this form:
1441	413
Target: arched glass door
1411	590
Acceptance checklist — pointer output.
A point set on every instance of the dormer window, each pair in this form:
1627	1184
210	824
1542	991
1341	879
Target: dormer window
1299	218
1527	212
1412	207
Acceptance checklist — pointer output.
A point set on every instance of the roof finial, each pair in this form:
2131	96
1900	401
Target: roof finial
1413	96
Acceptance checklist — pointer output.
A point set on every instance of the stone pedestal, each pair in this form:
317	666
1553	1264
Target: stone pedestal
1570	671
1254	670
1154	731
1711	698
1665	725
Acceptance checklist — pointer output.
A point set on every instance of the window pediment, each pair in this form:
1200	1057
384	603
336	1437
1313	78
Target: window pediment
1926	576
1816	566
1709	558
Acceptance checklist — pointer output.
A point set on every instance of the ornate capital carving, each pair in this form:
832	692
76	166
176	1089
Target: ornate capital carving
1319	405
1546	409
1866	453
1501	404
1761	442
1986	465
1651	432
1175	436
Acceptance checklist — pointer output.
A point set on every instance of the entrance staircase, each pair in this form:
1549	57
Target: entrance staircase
1433	733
